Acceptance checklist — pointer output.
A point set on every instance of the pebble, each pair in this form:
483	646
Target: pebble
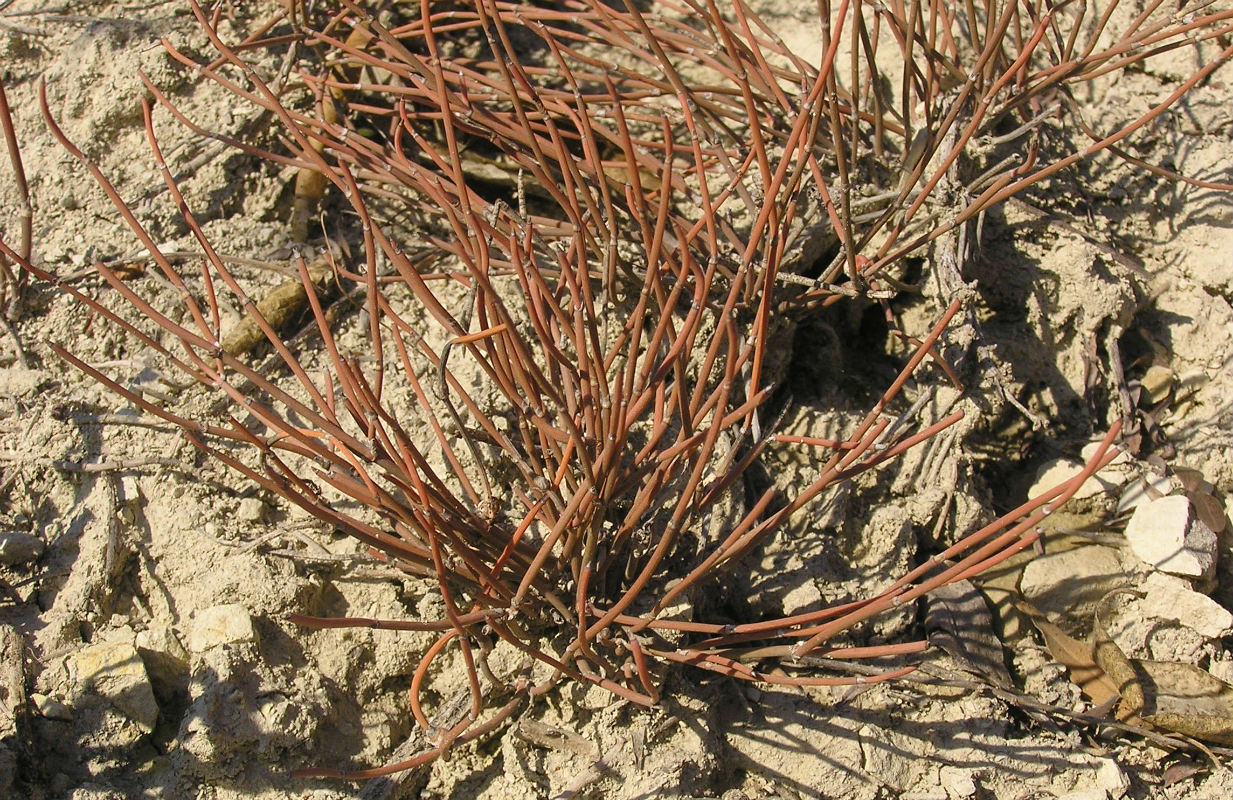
1165	534
221	625
1111	779
1157	383
130	491
1060	470
1172	598
115	671
959	783
1143	490
251	510
19	548
165	658
1073	581
50	708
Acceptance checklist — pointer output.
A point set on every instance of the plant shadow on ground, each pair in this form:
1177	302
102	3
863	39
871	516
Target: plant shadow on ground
855	747
216	730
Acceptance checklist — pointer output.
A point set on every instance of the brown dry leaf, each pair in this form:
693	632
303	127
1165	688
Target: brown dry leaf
1209	511
1114	663
1191	479
1199	490
1076	656
1176	773
280	306
1189	700
1163	695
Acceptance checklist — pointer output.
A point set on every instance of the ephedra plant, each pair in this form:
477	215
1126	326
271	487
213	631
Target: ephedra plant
550	402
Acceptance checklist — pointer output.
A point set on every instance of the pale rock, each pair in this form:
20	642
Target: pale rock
165	657
130	491
115	672
1143	490
1119	463
1157	382
251	510
1111	779
221	625
958	783
1073	581
1060	470
1165	534
51	708
19	548
1172	598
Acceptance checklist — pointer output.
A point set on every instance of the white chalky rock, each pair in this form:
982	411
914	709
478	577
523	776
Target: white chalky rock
220	625
1142	490
959	783
51	708
1072	581
115	672
19	548
251	510
1164	533
1060	470
1173	599
1111	779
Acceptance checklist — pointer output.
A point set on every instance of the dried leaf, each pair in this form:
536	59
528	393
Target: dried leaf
1076	656
1117	667
1209	511
279	307
1176	773
959	621
1191	479
1164	695
1188	700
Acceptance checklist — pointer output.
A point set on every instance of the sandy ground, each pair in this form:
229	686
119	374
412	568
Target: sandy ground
151	565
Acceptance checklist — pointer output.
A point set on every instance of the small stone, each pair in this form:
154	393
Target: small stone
1073	581
1111	779
251	510
19	548
115	672
221	625
1165	534
1172	598
165	658
130	492
1142	490
1060	470
1157	382
958	783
